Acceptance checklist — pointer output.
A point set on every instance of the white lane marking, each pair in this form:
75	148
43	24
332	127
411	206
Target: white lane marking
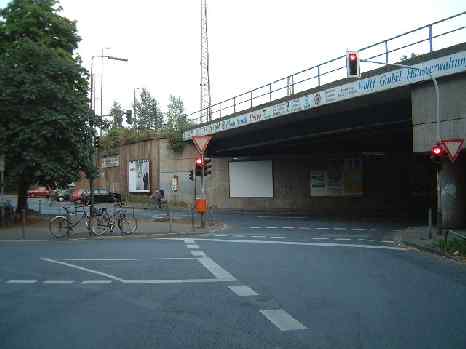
283	320
388	241
176	258
198	253
221	234
100	259
21	281
74	266
174	281
243	291
189	241
342	239
96	282
216	269
338	228
319	244
192	246
272	227
255	227
358	229
258	236
58	282
319	238
323	228
277	237
289	227
361	239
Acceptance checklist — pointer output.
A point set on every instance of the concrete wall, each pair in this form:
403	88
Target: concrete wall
386	182
177	164
452	112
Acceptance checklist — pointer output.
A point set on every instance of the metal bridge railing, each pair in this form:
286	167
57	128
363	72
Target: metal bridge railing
417	41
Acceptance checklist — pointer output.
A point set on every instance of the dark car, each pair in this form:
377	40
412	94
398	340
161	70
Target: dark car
100	195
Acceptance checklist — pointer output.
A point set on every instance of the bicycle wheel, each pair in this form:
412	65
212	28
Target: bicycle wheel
58	227
127	225
99	225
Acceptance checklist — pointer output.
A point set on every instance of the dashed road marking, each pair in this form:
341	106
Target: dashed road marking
216	269
258	236
221	234
289	227
194	246
198	253
100	259
323	228
243	291
388	241
189	241
255	227
358	229
85	282
282	320
277	237
342	239
338	228
58	282
21	281
319	238
272	227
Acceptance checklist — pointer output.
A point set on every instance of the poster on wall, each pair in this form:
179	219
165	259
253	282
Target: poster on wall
342	177
139	176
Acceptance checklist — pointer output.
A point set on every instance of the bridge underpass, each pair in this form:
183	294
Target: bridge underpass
391	181
352	147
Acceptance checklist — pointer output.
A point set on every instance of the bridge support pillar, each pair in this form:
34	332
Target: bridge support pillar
453	193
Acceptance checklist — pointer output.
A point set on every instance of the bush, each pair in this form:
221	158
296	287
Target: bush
454	245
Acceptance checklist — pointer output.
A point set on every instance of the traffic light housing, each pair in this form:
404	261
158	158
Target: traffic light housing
207	166
199	166
352	64
97	141
191	175
437	153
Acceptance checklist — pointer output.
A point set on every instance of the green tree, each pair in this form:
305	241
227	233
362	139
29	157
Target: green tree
148	114
46	126
176	122
117	115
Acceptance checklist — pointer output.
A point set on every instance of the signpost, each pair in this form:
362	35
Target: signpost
201	142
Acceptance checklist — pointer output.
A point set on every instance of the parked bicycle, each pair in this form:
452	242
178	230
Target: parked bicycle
106	222
61	226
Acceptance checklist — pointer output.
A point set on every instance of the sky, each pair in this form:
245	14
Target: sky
251	42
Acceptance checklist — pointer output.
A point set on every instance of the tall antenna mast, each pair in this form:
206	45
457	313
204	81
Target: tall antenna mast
206	113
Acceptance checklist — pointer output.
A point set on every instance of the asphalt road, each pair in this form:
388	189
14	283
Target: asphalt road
264	282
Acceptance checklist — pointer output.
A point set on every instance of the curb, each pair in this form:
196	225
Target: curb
433	251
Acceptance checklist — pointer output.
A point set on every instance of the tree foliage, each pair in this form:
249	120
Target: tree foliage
45	120
148	115
176	123
117	115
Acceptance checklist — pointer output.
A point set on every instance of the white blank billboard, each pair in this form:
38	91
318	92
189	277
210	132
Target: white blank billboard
251	179
139	176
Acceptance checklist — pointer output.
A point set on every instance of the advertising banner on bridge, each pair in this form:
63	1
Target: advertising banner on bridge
139	176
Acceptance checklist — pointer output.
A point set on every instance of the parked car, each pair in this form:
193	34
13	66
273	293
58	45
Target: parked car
100	195
76	195
39	192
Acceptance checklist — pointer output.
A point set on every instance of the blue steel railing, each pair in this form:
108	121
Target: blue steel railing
395	49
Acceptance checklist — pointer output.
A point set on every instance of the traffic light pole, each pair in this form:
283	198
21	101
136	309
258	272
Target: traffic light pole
437	118
203	196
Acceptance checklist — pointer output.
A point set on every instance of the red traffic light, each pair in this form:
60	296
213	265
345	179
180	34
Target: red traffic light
437	150
199	162
353	57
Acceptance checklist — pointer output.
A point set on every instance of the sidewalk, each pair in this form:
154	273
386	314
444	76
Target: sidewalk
38	229
418	237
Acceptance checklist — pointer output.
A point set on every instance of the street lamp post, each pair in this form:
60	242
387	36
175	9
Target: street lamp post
92	103
437	118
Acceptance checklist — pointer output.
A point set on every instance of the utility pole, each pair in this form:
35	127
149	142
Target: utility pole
206	112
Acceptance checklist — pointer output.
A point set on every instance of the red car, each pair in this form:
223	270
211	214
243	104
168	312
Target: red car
39	192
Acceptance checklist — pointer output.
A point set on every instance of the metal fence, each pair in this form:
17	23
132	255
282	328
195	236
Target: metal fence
440	34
